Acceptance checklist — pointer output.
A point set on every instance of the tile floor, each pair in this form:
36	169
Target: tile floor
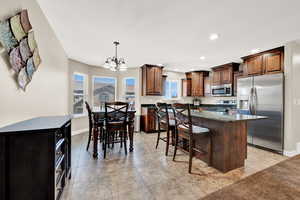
147	173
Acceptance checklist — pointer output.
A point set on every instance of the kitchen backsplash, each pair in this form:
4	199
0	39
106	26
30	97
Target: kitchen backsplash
214	100
204	100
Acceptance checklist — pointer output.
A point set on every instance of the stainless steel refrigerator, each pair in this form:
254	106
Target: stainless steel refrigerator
263	95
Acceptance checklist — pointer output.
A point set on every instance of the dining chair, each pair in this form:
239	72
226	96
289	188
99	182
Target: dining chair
187	131
164	121
93	122
116	120
90	114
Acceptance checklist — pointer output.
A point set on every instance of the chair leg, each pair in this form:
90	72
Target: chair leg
210	150
175	147
125	141
158	136
105	143
89	139
191	147
168	142
122	138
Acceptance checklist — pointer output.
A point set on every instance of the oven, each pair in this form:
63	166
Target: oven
221	90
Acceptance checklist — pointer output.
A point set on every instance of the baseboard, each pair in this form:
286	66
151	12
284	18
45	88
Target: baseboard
80	131
293	153
290	153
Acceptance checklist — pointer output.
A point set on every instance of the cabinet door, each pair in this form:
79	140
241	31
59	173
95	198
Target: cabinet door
216	80
197	84
158	80
254	65
150	79
186	87
273	61
226	76
151	120
207	86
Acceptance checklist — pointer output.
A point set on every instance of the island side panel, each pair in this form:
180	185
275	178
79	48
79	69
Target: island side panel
229	141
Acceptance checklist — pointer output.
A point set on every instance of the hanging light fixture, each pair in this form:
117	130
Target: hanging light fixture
115	63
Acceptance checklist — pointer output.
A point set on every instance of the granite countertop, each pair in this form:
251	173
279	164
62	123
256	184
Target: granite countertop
225	117
38	123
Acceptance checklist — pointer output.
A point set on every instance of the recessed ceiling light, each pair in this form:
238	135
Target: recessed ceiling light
254	50
202	58
213	36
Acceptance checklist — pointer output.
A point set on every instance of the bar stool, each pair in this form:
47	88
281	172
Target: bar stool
187	131
163	120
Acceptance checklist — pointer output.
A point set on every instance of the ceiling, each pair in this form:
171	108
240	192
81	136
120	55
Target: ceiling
174	33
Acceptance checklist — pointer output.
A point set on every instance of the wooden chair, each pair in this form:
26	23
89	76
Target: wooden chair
163	120
90	114
116	121
189	132
93	121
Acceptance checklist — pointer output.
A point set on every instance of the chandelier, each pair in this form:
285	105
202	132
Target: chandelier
115	63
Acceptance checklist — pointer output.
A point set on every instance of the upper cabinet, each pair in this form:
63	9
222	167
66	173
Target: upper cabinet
197	82
270	61
223	74
186	89
193	85
152	80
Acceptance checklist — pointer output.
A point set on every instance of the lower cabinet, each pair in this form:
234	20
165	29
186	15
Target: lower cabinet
35	164
148	120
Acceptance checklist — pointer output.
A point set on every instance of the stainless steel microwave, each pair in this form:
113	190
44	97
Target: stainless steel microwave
221	90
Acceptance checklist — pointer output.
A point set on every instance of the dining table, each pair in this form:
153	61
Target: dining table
99	115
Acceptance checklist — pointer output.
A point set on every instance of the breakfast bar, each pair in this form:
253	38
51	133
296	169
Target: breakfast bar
229	137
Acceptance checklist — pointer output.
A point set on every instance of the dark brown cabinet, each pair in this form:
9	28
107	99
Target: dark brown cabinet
152	80
254	65
223	74
35	158
186	87
216	77
273	61
193	85
148	119
270	61
197	81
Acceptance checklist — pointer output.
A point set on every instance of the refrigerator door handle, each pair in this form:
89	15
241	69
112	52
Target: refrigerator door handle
251	101
255	101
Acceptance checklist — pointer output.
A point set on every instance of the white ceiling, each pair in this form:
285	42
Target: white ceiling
171	32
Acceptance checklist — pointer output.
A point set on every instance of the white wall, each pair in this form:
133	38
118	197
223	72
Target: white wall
47	94
292	99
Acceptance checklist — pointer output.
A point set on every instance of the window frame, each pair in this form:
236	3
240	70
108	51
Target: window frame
92	93
124	86
178	89
85	94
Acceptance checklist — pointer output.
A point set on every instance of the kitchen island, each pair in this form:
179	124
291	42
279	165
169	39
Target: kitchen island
229	137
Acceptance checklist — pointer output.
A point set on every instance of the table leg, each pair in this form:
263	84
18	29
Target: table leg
131	132
95	140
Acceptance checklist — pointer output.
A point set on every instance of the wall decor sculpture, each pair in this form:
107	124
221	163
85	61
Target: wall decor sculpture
17	37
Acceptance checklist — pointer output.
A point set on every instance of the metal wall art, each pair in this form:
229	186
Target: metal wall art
17	37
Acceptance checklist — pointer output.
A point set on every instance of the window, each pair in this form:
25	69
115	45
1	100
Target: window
104	90
79	93
129	91
171	89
